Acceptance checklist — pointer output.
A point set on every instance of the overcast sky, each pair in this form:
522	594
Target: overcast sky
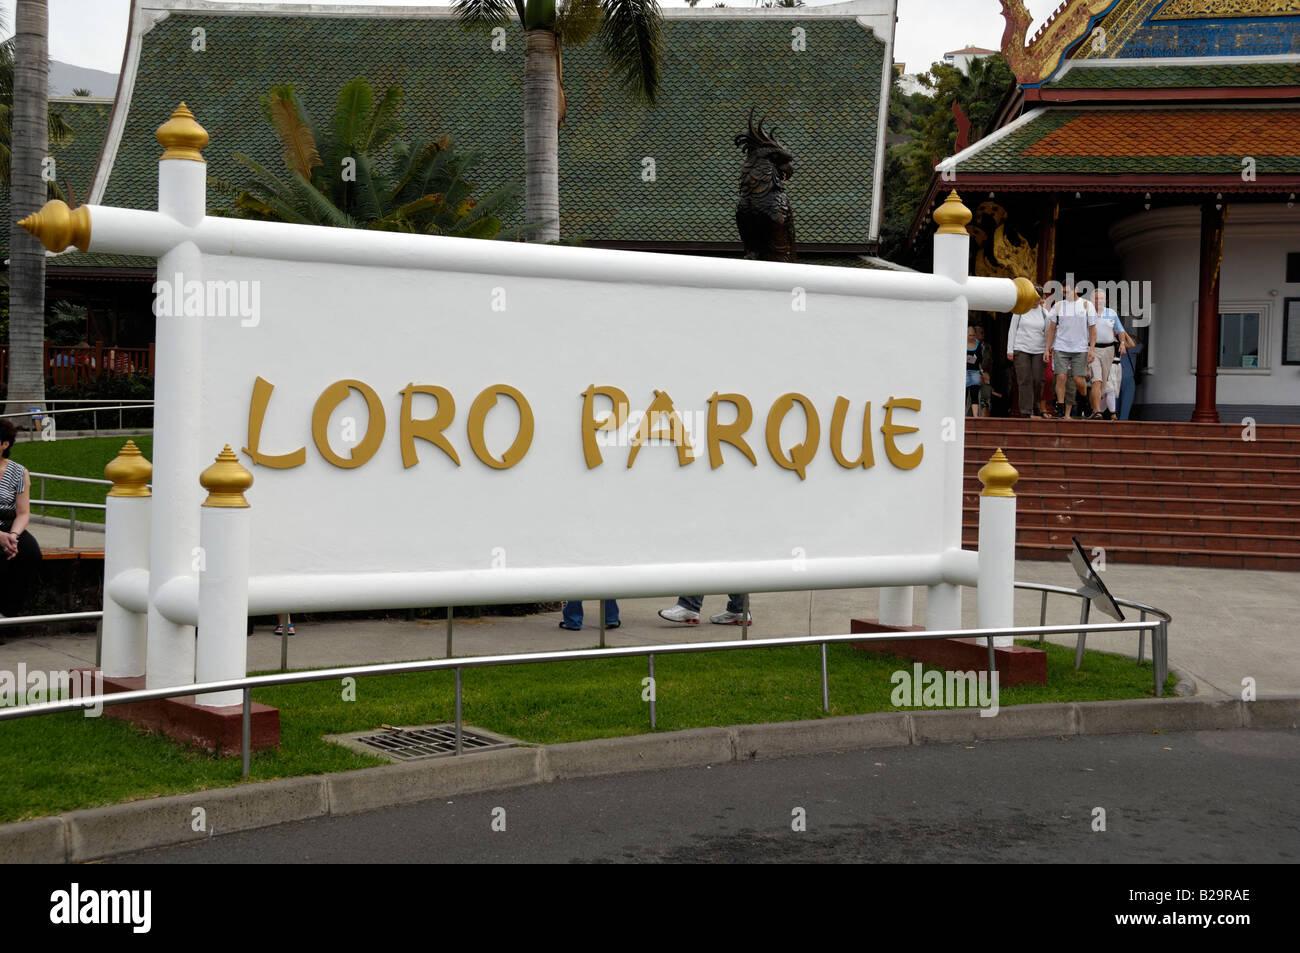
92	33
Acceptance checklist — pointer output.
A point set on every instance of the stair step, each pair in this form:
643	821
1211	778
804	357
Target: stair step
1027	503
1103	439
1161	522
1154	556
1149	428
1142	539
1081	485
1171	474
1093	455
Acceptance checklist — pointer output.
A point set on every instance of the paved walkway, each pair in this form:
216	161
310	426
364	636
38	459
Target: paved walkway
1228	625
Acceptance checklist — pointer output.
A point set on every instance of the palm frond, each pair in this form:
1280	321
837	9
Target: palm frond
577	21
481	13
352	113
300	153
384	123
633	39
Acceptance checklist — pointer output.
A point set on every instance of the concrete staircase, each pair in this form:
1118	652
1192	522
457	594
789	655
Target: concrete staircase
1172	494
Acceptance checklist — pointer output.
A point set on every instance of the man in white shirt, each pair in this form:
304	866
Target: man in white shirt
1071	345
1110	335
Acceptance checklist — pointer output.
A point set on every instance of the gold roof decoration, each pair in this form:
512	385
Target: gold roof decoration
1037	60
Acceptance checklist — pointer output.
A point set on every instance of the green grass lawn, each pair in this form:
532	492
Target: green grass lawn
60	763
81	457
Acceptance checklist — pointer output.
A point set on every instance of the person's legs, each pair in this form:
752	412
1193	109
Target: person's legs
686	610
572	615
1024	384
18	575
736	602
611	613
1036	377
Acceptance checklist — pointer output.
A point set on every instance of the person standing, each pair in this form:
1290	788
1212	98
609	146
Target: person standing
571	619
20	554
977	374
688	610
1071	344
1027	341
1110	335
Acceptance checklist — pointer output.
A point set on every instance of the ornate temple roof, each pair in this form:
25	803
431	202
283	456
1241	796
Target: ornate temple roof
1131	148
1083	30
826	99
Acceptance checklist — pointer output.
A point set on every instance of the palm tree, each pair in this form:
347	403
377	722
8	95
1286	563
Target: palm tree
631	33
59	131
336	177
27	192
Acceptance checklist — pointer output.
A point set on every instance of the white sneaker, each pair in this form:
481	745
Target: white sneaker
731	618
680	614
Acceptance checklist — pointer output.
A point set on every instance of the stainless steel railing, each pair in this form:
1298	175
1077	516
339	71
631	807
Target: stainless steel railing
1158	629
89	406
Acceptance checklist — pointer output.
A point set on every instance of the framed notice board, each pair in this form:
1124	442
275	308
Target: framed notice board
1291	331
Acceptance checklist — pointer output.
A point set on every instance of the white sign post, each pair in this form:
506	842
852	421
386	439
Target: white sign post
437	421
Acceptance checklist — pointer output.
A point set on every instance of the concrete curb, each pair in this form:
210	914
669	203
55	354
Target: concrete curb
102	832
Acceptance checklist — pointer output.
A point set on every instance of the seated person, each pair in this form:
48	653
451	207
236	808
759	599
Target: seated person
20	555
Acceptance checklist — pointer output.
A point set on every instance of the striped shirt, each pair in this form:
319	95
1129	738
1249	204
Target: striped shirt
12	483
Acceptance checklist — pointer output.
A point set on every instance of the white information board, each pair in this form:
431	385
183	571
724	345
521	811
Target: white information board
350	494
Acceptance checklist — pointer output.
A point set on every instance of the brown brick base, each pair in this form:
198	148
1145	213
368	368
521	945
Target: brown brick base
216	729
1017	664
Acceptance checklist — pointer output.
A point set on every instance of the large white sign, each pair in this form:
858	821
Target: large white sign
642	436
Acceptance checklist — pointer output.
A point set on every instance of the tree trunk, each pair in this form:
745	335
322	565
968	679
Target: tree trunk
541	136
27	195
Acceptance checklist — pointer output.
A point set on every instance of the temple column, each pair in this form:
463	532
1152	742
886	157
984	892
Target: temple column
1213	216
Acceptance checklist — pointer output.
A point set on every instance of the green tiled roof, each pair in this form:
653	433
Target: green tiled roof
1143	141
825	101
74	160
1179	77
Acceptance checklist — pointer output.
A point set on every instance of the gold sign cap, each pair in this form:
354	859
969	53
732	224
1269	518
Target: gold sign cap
181	136
57	227
998	475
226	480
130	472
1026	296
952	216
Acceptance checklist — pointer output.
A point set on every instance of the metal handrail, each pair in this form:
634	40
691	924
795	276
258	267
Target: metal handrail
120	404
81	410
247	684
1142	607
73	506
69	479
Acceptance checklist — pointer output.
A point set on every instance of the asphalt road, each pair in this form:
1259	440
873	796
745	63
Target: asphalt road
1204	797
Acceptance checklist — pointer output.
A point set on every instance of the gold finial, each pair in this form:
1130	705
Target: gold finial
226	480
1026	296
998	475
130	472
952	216
181	136
57	227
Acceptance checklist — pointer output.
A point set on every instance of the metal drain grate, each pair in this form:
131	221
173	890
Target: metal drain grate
434	742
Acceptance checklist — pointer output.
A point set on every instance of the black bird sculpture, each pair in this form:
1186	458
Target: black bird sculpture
763	215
